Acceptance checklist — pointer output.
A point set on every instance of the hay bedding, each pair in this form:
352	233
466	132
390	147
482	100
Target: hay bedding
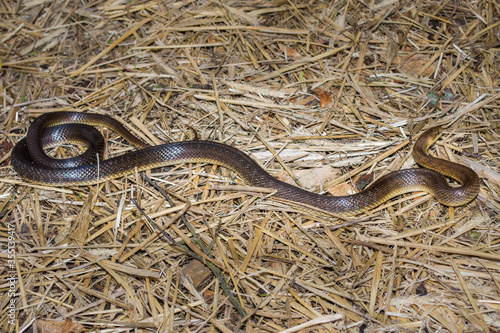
334	88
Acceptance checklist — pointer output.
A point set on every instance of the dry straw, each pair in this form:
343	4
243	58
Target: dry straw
299	85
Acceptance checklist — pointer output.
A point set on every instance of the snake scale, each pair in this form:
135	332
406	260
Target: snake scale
33	165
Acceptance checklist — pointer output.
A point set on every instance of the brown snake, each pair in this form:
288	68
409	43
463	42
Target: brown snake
32	164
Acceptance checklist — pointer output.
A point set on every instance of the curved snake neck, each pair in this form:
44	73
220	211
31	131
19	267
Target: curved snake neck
33	165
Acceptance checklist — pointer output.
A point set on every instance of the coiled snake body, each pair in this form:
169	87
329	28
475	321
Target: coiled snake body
33	165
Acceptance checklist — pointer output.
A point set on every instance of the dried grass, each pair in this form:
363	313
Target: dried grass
259	77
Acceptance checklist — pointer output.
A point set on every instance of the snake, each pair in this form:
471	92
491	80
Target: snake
33	165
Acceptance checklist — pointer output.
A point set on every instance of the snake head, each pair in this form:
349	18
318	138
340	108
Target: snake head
433	134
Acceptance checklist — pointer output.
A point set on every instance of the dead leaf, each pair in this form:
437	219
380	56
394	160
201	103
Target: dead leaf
196	272
208	294
323	96
5	147
414	64
290	52
342	190
312	179
364	180
59	326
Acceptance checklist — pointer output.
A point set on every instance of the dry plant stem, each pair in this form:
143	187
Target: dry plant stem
216	270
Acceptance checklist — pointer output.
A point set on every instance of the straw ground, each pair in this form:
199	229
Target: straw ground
325	94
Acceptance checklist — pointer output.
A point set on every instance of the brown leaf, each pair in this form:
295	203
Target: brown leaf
5	147
196	272
414	65
312	178
323	96
364	180
290	52
208	294
59	326
341	190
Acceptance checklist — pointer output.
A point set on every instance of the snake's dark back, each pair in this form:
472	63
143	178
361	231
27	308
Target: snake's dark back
385	188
